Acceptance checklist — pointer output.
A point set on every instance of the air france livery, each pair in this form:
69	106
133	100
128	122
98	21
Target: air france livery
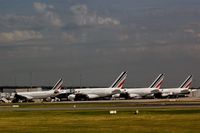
130	93
94	93
175	92
28	96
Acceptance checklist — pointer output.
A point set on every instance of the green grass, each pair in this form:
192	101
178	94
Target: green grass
183	120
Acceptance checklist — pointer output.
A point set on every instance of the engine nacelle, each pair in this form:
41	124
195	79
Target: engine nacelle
134	96
71	97
92	96
165	94
116	96
168	94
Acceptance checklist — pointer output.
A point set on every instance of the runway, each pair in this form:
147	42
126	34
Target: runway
104	105
105	108
140	100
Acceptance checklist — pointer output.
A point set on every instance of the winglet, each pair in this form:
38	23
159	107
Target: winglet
158	82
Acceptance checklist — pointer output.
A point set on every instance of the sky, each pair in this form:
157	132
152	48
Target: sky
90	42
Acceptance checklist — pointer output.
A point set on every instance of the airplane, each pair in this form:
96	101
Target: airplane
131	93
94	93
176	92
29	96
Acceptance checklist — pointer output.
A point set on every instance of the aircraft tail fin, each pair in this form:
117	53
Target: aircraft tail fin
119	82
58	85
187	83
158	82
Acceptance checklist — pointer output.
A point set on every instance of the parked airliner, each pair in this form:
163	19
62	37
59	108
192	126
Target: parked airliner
175	92
94	93
29	96
130	93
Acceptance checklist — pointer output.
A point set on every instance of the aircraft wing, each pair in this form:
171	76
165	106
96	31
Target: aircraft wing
193	90
26	96
155	91
72	97
92	96
185	91
135	96
116	91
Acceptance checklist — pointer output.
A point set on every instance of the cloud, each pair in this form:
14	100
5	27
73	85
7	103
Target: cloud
41	7
45	17
68	38
7	37
48	15
53	19
140	51
193	51
25	52
123	37
83	16
189	30
193	30
12	21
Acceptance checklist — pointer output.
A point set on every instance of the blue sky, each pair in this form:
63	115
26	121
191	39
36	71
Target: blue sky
96	40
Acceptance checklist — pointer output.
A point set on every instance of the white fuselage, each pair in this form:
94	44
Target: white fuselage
99	92
37	94
139	92
173	91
